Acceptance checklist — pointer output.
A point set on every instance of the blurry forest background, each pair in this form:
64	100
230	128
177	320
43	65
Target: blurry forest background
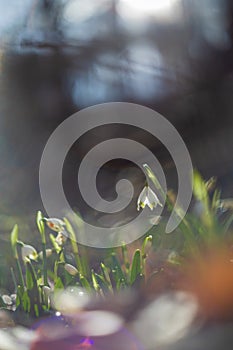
59	56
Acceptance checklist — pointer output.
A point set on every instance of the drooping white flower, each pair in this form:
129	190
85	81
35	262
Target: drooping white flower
148	197
28	252
55	224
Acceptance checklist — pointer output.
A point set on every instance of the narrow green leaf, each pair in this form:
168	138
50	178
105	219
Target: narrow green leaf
29	278
70	229
124	251
121	284
95	282
58	284
102	282
14	278
36	309
114	276
106	275
117	266
14	238
26	303
40	223
211	184
55	244
216	199
136	266
199	187
74	245
146	245
84	282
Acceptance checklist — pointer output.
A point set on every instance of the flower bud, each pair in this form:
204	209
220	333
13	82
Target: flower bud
71	269
49	252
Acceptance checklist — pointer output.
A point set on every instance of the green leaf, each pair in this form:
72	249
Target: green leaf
102	282
29	278
95	282
211	184
105	272
55	244
70	229
40	222
13	278
14	236
26	303
216	199
36	309
199	187
117	273
58	284
74	246
136	266
84	282
117	266
146	245
124	251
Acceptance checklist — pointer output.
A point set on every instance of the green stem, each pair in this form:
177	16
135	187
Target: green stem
21	280
13	278
45	274
74	246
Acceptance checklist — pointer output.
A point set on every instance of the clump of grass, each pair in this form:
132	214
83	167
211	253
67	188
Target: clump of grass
37	275
50	270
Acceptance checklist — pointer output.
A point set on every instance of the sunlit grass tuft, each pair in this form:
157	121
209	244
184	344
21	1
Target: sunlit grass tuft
38	275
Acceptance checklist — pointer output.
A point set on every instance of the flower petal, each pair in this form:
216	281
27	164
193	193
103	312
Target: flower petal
55	224
153	199
142	198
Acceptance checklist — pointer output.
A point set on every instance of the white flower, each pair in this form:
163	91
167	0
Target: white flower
28	252
148	197
7	299
55	224
71	269
10	302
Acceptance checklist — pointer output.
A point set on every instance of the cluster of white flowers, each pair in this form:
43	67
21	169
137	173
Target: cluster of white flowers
58	226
